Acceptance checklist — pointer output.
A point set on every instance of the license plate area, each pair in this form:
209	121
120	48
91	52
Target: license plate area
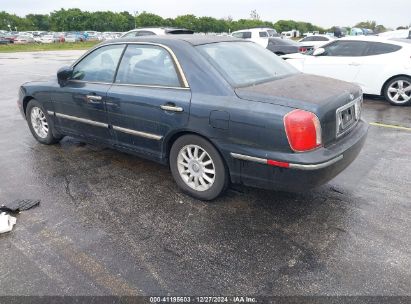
347	117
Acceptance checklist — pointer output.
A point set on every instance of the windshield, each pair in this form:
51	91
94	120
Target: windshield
245	63
272	33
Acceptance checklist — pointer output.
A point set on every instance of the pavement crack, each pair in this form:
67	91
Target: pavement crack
67	188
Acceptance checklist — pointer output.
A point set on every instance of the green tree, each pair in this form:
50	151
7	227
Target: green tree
187	21
39	22
147	19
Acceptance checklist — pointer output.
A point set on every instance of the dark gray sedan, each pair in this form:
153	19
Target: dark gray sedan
283	46
216	110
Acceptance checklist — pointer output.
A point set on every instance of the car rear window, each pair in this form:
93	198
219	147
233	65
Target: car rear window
378	48
245	63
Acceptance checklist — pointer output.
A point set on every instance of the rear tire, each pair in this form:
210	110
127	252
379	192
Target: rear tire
198	168
40	123
398	91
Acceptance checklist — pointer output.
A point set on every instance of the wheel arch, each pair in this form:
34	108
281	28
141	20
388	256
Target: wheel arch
391	78
171	140
26	101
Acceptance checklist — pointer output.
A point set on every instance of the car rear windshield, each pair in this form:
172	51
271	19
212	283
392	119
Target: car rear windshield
245	63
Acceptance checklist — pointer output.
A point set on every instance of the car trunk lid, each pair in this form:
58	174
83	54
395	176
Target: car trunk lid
320	95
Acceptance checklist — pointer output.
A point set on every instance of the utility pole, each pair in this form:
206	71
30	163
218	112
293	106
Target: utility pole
135	18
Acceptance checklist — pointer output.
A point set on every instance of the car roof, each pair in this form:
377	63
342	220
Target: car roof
169	39
373	39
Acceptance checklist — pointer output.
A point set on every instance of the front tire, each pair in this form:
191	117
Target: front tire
198	168
398	91
40	124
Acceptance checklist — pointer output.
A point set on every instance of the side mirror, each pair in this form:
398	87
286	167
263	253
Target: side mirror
64	74
319	52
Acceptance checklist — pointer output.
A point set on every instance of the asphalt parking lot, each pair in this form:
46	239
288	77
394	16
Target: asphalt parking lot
114	224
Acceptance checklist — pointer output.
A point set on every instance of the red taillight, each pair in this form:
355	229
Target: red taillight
303	130
303	49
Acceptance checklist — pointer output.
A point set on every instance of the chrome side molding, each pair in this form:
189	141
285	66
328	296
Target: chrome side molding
83	120
138	133
104	125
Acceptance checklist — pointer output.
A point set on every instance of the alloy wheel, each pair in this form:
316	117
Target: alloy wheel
196	167
39	122
399	91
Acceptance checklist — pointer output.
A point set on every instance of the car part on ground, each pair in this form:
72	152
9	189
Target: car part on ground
6	222
19	205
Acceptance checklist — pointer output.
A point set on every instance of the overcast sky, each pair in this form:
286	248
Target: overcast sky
324	13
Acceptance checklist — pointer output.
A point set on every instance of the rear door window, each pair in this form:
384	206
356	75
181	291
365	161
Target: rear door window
147	65
263	34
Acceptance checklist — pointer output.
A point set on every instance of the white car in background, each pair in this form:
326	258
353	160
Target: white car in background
148	31
48	39
380	66
24	39
258	35
316	40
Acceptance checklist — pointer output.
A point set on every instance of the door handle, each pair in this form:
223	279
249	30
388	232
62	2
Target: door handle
94	98
171	107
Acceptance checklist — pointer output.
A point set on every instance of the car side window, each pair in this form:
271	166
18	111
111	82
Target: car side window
378	48
144	33
346	48
100	65
246	35
238	35
263	34
132	34
147	65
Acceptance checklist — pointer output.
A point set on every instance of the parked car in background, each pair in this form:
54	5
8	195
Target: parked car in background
51	38
281	46
73	38
4	40
156	31
315	41
23	39
258	35
398	34
380	66
215	109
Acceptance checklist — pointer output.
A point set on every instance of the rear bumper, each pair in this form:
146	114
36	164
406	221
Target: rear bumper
299	171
